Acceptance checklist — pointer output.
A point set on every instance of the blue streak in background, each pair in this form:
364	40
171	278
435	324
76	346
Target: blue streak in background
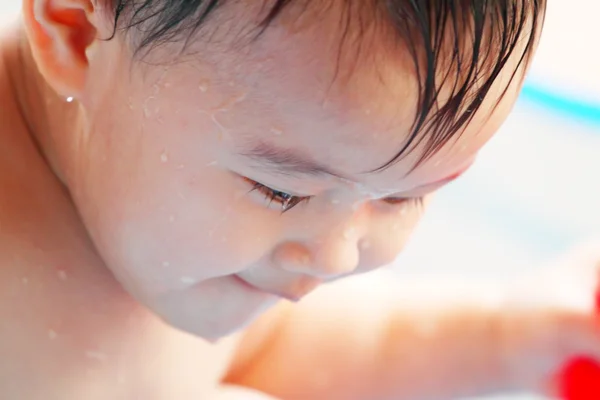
554	101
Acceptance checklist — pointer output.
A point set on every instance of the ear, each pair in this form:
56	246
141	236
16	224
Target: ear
60	32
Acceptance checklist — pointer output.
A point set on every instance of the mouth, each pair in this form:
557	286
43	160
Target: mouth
294	293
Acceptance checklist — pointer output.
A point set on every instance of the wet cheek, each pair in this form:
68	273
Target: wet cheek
388	235
214	235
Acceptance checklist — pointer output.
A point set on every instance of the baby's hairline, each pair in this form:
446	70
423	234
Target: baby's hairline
467	62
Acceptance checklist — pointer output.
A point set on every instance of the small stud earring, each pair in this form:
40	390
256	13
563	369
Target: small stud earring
69	99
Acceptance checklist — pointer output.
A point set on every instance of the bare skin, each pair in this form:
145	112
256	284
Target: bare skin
83	321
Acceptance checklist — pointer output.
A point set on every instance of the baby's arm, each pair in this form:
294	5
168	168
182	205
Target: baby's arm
377	338
226	392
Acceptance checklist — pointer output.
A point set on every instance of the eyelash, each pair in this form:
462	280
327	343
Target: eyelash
288	201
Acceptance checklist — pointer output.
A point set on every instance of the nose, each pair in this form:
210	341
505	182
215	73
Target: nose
327	258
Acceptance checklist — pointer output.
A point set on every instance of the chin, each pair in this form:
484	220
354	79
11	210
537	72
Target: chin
213	327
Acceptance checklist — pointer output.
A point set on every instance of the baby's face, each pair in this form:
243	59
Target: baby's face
216	186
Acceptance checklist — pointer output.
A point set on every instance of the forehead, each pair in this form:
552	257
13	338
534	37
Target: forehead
343	96
353	116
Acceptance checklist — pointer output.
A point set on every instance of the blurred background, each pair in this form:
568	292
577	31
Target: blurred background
534	191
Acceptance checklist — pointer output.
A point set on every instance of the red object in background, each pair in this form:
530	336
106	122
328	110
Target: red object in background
580	380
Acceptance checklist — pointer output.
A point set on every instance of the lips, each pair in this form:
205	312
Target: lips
298	288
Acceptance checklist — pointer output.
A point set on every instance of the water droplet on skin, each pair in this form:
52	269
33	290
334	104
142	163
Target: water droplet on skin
70	99
187	280
348	233
96	355
62	275
164	158
130	103
276	131
166	263
146	110
303	259
203	87
335	202
52	334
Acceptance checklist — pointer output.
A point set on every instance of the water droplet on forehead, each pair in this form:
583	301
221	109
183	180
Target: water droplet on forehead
62	275
203	87
96	355
164	157
276	131
187	280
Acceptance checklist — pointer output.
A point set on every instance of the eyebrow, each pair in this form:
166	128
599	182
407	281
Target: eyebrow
288	162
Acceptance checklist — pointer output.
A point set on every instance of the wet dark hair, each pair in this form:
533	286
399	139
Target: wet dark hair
461	46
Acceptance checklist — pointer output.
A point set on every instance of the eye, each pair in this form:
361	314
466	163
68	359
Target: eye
396	201
286	200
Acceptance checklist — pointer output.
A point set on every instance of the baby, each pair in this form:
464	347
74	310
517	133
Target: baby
191	190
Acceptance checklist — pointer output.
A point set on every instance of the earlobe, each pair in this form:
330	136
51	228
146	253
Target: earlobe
59	32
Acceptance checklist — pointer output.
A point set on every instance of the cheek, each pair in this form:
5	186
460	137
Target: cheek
389	233
190	228
162	211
